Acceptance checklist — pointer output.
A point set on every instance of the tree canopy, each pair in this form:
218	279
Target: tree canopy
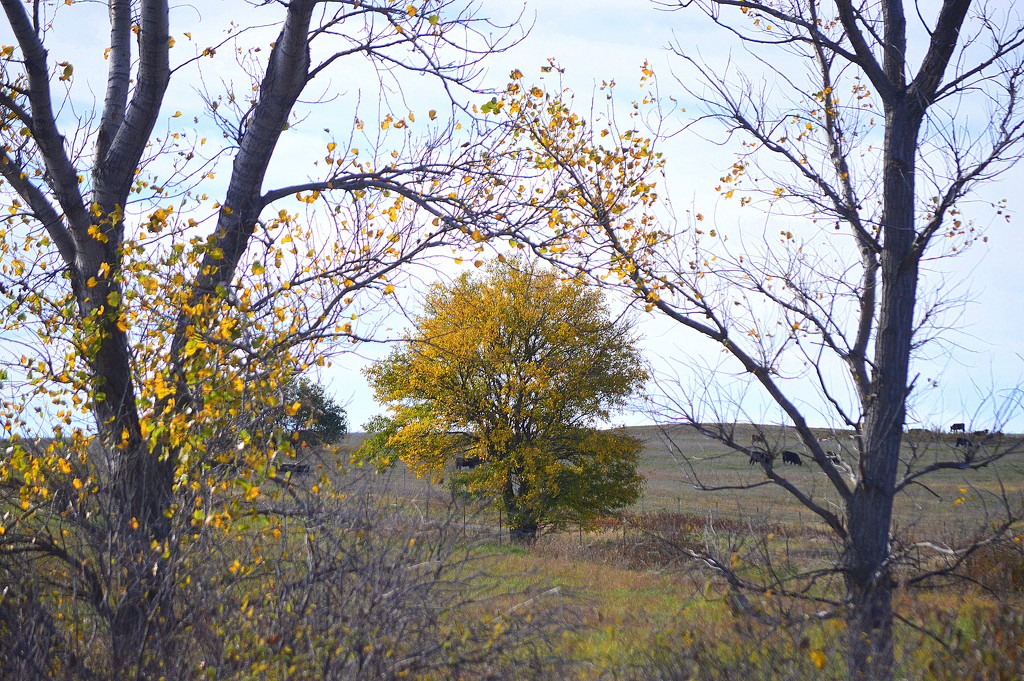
308	415
515	368
166	264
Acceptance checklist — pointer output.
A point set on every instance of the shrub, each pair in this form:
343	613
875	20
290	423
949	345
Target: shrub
998	567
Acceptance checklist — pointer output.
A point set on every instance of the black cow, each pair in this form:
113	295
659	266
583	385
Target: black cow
791	457
761	456
757	438
964	442
467	463
958	428
296	468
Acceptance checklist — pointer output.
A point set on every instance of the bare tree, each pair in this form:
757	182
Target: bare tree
874	125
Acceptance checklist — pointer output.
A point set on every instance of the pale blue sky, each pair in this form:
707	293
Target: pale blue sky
602	40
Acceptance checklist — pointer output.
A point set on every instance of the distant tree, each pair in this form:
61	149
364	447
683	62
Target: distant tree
307	414
514	368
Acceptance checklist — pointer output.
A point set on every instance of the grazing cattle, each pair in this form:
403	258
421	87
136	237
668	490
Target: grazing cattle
958	428
762	457
296	468
964	442
980	433
467	463
757	438
791	457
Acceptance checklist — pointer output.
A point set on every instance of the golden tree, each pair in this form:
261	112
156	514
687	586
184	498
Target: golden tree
510	371
162	285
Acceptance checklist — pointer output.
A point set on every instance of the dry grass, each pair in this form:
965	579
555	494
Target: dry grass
649	613
674	455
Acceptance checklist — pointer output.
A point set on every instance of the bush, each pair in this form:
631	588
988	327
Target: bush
336	588
984	645
998	567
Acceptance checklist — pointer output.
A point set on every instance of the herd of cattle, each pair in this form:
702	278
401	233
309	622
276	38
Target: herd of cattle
760	454
788	456
763	456
966	443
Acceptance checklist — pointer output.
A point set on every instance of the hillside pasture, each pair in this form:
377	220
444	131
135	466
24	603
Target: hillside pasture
949	504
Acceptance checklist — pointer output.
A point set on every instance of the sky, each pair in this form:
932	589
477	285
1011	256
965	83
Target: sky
982	355
598	41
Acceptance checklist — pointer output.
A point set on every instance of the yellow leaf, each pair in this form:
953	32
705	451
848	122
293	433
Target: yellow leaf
819	658
410	10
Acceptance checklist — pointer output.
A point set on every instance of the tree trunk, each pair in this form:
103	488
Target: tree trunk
140	485
523	524
868	580
522	528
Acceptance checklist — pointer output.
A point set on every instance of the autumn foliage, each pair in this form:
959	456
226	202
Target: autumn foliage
515	368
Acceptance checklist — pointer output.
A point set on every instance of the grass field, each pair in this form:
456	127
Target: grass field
397	577
640	603
675	458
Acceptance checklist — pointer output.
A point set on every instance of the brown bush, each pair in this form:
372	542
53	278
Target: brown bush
998	567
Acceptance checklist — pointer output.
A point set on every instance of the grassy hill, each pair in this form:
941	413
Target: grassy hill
677	460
